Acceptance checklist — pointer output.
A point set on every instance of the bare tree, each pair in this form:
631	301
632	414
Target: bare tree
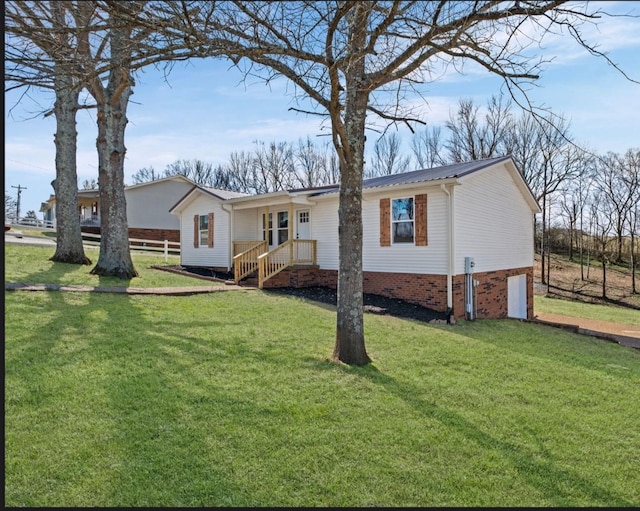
618	182
42	41
350	58
312	164
602	222
387	156
198	171
94	45
241	170
274	166
634	231
89	184
10	205
631	181
471	138
428	147
145	175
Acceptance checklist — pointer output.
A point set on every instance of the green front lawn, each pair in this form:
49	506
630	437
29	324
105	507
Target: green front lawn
229	399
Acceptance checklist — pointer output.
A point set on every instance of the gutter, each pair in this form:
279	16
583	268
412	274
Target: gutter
451	258
230	223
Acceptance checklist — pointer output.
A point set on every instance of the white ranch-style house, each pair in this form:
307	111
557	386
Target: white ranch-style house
147	213
456	239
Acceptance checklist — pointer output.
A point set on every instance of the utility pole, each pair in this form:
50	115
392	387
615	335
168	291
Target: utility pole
20	188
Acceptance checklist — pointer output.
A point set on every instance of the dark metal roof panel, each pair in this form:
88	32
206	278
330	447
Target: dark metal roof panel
454	170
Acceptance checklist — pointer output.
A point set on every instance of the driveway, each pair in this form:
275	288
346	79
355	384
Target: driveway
626	335
17	236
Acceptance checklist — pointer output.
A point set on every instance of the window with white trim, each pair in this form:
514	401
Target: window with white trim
283	227
267	229
203	228
402	220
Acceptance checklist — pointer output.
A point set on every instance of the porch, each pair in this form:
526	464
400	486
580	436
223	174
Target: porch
270	235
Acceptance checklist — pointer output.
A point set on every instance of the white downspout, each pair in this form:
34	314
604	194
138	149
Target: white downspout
230	252
450	251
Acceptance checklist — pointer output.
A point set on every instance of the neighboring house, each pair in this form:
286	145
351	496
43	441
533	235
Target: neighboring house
455	239
147	208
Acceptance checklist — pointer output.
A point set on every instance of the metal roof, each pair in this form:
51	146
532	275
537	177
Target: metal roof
223	194
454	170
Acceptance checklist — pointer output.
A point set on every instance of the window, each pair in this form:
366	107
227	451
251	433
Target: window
402	220
204	230
268	229
283	227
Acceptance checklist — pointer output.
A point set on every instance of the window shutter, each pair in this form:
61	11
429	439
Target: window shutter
421	219
210	230
385	222
196	230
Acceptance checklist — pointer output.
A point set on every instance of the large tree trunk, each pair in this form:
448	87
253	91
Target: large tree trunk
112	101
69	248
350	347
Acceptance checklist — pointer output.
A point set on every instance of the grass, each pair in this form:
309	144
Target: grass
229	399
30	265
587	310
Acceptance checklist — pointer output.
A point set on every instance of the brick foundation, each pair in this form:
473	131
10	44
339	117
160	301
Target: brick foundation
428	291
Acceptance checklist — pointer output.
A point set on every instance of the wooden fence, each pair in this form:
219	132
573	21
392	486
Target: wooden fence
165	246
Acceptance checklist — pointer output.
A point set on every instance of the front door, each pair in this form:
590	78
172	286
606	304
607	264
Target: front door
303	229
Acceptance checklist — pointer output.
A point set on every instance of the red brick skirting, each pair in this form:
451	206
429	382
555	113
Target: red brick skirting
429	291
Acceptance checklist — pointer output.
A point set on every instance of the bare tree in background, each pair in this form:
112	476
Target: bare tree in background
274	166
313	164
618	182
348	59
631	180
144	175
10	205
42	42
473	138
387	156
95	45
580	192
198	171
427	147
89	184
601	215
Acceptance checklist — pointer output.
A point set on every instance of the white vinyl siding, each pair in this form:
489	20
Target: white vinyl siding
401	257
245	225
148	206
324	229
406	257
219	255
494	224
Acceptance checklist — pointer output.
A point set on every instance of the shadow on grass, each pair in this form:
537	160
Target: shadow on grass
558	484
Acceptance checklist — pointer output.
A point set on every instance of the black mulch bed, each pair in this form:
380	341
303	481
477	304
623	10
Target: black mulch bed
375	304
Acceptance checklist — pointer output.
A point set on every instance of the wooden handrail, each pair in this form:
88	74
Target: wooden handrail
287	254
245	263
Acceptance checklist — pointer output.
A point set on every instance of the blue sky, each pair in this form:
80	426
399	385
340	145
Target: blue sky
203	111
